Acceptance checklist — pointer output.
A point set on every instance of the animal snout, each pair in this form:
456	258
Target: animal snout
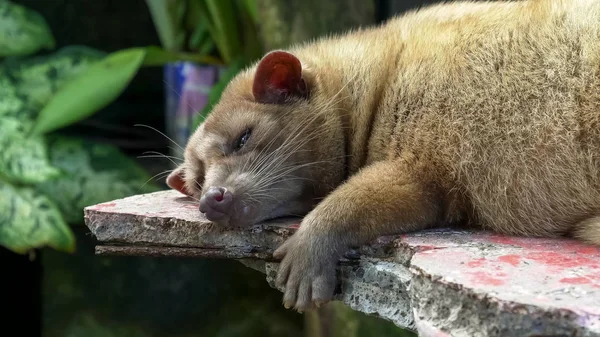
216	203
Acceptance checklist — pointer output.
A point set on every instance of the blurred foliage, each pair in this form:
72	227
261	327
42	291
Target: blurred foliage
224	30
103	81
22	31
87	167
23	159
288	22
47	178
29	219
57	69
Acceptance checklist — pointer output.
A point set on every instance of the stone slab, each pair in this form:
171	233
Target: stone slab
438	282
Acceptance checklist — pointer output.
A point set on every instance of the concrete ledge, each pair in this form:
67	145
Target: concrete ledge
440	283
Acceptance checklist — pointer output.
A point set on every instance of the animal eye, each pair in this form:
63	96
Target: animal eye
242	140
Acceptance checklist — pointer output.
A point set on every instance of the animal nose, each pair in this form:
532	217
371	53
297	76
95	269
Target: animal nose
216	203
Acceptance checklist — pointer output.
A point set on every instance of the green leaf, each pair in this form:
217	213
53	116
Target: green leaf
251	7
206	46
92	173
22	30
252	46
91	90
217	90
226	24
38	78
23	159
168	19
193	15
30	220
156	56
200	40
12	104
222	24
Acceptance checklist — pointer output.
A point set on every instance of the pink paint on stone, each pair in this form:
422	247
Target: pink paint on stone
476	262
194	206
486	278
560	273
511	259
561	259
575	280
105	205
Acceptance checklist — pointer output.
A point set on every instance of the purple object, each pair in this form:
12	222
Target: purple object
187	86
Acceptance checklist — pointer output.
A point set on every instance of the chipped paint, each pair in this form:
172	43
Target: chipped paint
575	280
476	262
553	273
487	278
512	259
105	205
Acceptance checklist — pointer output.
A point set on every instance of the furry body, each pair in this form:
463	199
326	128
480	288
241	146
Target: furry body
482	114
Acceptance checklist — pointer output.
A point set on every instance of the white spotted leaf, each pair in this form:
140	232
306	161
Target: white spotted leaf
29	220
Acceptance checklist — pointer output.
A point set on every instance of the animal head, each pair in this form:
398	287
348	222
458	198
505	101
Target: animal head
273	146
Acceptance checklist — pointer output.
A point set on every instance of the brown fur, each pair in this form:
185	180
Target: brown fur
462	113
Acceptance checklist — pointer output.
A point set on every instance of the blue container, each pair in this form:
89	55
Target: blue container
187	86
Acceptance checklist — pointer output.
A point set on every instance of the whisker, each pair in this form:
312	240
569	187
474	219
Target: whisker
171	148
250	197
277	175
157	156
268	196
179	95
147	126
282	158
164	173
284	171
191	196
164	155
289	140
284	151
261	161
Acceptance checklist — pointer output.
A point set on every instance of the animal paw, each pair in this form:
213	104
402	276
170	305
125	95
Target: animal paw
307	270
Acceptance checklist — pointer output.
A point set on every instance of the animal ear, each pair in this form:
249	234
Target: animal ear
175	181
278	77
